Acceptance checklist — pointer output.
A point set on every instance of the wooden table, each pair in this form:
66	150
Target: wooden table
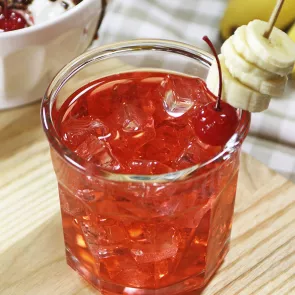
262	255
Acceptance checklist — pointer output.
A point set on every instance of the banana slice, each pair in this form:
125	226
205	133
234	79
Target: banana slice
234	92
260	80
230	53
242	46
278	50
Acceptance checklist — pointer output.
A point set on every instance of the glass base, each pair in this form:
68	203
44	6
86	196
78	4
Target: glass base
190	284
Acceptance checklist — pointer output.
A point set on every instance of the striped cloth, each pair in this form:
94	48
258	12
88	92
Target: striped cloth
272	134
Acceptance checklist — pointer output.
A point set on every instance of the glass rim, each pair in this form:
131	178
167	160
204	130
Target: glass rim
111	50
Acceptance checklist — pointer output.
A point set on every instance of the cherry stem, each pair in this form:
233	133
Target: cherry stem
210	44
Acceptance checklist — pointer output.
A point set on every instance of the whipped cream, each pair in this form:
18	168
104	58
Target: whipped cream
45	10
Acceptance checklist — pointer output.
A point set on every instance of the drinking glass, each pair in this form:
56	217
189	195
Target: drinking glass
142	234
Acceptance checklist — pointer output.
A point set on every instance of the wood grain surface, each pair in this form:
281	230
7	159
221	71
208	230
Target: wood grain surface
262	255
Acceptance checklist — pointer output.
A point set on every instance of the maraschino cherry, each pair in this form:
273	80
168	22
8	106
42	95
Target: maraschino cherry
217	121
11	20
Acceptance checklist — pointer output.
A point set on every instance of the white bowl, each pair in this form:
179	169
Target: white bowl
30	57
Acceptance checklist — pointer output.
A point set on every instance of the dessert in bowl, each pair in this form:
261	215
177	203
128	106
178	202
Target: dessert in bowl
48	37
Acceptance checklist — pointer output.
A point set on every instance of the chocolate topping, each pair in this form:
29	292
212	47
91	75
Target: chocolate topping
23	4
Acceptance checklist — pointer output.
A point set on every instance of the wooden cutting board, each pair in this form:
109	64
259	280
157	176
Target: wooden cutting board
262	255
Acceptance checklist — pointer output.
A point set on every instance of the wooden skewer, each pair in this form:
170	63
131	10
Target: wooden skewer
273	18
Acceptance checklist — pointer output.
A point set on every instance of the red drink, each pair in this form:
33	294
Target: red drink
144	237
139	215
136	123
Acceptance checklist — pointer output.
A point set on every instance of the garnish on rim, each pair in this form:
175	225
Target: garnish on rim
216	122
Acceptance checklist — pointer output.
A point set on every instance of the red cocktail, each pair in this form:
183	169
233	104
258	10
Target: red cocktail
146	205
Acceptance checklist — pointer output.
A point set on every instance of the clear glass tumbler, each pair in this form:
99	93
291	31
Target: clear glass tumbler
137	234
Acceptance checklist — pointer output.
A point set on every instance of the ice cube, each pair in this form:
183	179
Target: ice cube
164	147
190	156
178	95
192	255
147	204
107	97
117	264
134	209
104	237
139	231
133	119
171	139
161	243
176	106
76	130
124	91
89	195
107	160
90	147
195	153
162	269
139	166
131	128
69	203
133	277
106	208
190	218
99	152
141	200
149	100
